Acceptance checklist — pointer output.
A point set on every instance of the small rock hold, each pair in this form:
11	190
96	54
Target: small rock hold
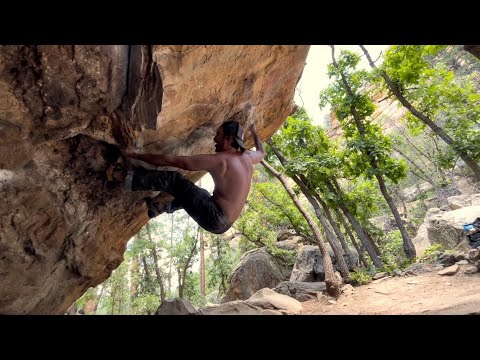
379	275
348	289
398	272
333	302
451	270
448	284
471	270
462	262
412	282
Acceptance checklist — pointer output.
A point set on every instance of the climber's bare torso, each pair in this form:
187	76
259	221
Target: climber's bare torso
232	177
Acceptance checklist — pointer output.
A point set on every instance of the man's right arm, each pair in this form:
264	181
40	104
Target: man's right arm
258	155
205	162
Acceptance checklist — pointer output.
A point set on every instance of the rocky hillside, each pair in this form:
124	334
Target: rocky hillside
64	113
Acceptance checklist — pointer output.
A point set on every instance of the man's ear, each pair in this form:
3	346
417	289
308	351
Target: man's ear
229	139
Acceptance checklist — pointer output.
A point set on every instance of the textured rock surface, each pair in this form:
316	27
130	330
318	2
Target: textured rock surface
64	112
309	264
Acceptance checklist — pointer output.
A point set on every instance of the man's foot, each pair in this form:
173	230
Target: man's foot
155	209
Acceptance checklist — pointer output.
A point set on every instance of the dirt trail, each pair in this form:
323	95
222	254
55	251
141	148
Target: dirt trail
426	293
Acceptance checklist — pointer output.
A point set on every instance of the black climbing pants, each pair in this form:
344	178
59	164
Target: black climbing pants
197	202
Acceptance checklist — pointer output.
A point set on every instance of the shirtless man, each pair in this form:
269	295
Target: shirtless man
231	169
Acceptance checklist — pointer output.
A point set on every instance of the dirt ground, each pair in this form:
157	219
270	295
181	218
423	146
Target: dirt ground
424	294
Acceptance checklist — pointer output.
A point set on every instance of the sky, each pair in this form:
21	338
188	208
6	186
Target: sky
314	77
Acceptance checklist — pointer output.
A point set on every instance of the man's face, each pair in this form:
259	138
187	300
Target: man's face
218	139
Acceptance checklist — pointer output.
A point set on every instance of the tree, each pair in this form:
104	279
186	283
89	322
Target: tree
407	65
317	161
183	254
368	147
158	270
220	264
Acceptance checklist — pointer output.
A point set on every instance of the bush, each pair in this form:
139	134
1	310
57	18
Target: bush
393	255
360	277
431	254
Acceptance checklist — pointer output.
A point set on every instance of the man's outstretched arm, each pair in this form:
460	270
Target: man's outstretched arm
193	163
258	155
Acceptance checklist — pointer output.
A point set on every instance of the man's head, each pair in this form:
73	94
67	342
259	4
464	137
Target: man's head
229	133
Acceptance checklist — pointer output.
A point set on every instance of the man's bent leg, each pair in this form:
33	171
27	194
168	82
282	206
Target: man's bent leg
205	211
196	201
153	180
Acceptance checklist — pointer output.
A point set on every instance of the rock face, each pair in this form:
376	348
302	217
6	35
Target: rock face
256	270
64	113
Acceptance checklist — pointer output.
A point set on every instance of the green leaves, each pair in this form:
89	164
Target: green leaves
434	80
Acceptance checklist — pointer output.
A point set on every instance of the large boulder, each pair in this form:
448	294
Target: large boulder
237	307
444	227
269	299
309	264
65	112
302	291
256	270
176	307
459	201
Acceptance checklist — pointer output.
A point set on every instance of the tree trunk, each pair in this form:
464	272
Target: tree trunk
99	298
133	271
181	282
146	270
202	257
352	237
335	227
408	246
170	263
421	172
472	164
183	273
331	281
158	270
202	264
359	230
397	192
407	242
113	293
